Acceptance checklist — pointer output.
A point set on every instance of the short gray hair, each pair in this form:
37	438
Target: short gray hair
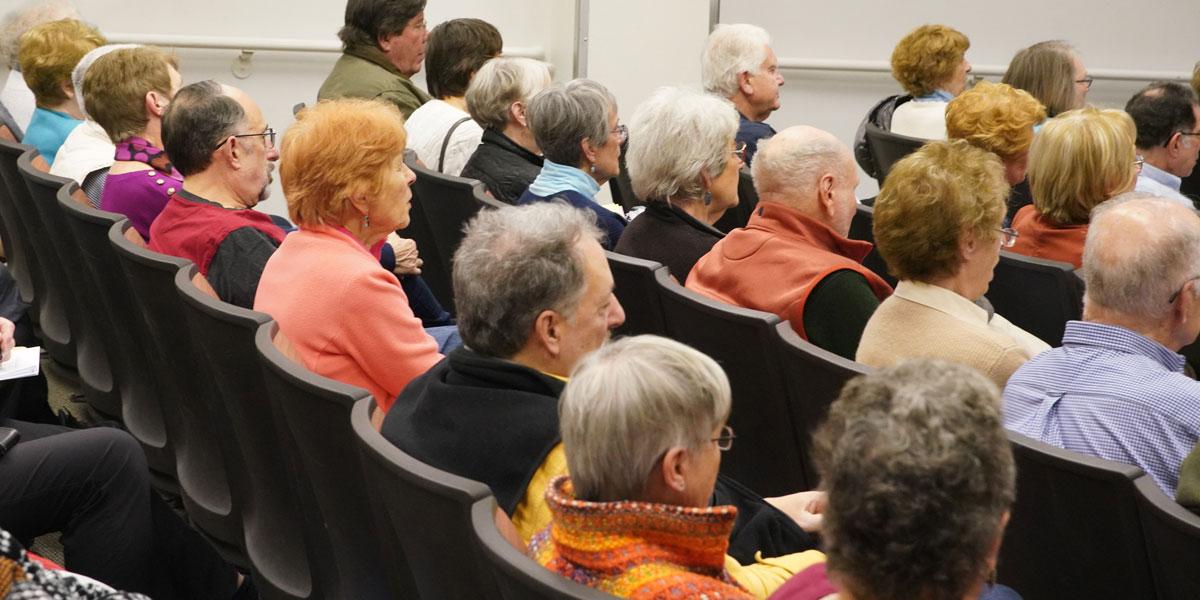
561	116
732	50
85	63
25	17
674	136
785	164
919	473
1139	251
514	263
628	403
502	82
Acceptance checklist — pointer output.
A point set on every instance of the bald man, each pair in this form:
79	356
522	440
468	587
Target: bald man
793	257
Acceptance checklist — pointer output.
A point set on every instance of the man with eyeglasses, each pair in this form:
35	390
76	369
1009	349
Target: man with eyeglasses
1167	117
739	64
383	47
1116	388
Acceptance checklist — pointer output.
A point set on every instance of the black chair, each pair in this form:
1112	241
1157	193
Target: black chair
519	576
636	288
621	186
888	148
435	271
1172	540
1036	294
427	512
1075	530
862	228
248	425
187	394
814	378
18	252
747	202
347	556
768	455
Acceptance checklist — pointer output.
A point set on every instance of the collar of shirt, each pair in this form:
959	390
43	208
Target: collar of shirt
1152	172
556	178
936	95
1119	339
942	299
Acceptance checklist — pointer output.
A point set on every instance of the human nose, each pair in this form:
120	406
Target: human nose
616	313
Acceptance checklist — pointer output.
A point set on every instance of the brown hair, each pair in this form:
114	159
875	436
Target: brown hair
996	117
1046	70
455	50
927	57
50	51
116	86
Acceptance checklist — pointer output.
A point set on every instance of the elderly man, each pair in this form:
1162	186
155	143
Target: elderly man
1167	116
793	258
1116	388
739	64
383	47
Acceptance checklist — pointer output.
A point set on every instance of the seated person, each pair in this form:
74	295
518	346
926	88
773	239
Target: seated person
30	577
47	55
683	160
646	499
793	258
440	131
346	317
87	149
920	481
738	64
1078	160
1116	388
576	127
130	91
507	159
1167	116
16	99
938	225
383	43
1053	73
931	64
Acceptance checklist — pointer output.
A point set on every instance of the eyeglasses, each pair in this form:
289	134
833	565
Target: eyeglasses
622	133
740	152
1179	291
1086	81
725	442
1008	237
1138	161
268	135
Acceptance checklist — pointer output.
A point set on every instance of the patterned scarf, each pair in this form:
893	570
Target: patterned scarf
134	148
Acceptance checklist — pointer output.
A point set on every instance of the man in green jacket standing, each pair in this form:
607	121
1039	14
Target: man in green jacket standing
384	46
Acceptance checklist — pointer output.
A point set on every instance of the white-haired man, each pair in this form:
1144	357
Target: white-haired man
738	63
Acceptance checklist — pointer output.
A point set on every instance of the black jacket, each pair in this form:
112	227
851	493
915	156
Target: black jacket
504	167
667	235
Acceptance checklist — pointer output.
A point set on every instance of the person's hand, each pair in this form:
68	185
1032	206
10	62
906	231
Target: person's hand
805	508
408	261
7	329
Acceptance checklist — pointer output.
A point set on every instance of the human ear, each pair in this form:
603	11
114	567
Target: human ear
744	83
547	329
674	469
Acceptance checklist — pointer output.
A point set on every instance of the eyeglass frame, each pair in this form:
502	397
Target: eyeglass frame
1139	161
1008	237
621	131
1179	291
740	151
725	441
1087	81
269	133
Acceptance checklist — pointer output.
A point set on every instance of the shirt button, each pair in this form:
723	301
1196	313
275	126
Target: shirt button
170	191
160	182
150	173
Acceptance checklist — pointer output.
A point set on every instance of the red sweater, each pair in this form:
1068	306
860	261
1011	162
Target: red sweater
1040	238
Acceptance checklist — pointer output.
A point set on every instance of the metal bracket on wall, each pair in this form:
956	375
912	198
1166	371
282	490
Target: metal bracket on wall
242	66
582	12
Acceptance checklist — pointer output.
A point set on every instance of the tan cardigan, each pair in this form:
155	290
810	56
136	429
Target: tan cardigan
926	321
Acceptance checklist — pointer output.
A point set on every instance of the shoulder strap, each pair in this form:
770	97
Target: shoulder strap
446	143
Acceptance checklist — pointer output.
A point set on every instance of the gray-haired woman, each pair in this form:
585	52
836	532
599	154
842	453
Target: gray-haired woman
684	161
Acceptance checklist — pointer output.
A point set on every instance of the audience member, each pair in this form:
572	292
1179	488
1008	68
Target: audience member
793	258
1167	116
1190	186
930	63
646	499
28	577
739	64
383	45
938	225
440	131
1078	160
1053	73
575	125
48	54
346	194
507	159
920	482
131	89
683	159
1116	388
16	99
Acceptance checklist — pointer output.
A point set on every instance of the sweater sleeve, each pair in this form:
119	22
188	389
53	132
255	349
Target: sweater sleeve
238	264
765	576
837	311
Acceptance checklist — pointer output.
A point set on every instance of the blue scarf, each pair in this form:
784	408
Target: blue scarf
556	178
939	95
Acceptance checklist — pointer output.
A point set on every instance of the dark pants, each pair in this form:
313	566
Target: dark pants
423	303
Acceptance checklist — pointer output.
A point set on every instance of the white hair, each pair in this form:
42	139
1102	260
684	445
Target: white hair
674	136
732	50
85	63
502	82
25	17
791	161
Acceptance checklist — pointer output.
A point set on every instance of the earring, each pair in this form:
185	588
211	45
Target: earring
707	198
366	223
592	169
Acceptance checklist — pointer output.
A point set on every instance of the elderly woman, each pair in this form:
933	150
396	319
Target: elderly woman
920	481
576	127
1052	72
507	159
48	54
931	64
646	499
440	131
938	226
1079	159
346	194
682	158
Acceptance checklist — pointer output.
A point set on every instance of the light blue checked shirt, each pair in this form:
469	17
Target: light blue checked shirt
1111	393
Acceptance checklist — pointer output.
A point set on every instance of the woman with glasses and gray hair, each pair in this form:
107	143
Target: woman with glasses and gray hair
576	127
684	161
633	519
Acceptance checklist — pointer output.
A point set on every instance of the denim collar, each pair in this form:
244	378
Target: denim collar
556	178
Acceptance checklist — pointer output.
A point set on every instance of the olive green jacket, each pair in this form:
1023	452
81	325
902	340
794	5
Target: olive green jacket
1188	492
366	72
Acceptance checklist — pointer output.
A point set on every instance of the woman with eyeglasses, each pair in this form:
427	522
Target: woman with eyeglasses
1078	160
575	125
1053	73
683	159
939	226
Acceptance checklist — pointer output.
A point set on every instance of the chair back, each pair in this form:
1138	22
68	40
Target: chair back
426	511
814	378
739	215
636	287
1172	540
1074	528
767	456
888	148
862	228
332	495
18	250
248	431
1036	294
436	275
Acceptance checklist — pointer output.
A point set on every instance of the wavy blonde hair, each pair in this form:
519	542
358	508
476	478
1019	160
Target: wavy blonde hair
927	57
50	51
996	117
1080	159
